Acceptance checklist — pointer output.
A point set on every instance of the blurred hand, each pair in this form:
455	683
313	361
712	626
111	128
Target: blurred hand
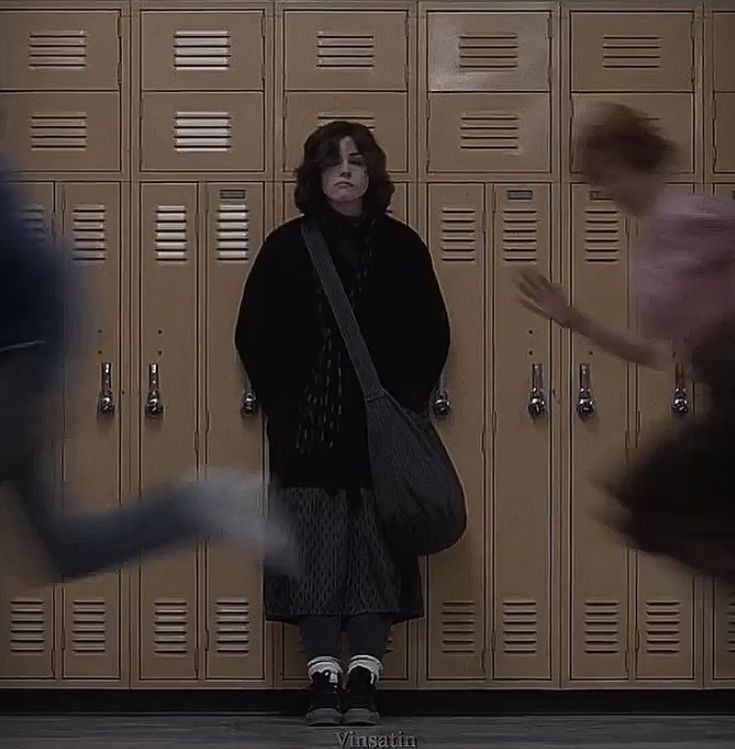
546	299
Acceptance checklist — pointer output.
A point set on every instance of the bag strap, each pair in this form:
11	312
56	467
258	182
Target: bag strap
342	310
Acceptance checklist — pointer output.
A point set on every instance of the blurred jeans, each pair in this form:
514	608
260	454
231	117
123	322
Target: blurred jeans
82	544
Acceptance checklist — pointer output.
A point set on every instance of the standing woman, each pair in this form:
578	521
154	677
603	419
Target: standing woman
677	498
293	353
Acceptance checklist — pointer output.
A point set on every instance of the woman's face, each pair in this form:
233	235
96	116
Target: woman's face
345	183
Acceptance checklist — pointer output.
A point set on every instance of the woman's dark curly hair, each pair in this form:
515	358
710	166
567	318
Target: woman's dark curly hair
321	151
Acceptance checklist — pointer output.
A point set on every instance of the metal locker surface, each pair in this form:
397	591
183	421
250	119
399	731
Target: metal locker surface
598	398
168	407
350	50
92	608
202	51
456	625
488	51
521	462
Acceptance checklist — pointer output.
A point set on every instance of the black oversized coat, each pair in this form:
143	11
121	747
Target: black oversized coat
279	331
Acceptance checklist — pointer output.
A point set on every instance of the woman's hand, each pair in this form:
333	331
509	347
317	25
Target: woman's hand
546	299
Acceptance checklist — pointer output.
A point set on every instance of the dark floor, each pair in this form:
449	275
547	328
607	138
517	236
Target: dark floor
151	731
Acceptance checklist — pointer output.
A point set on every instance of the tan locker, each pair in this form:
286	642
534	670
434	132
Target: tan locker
27	615
91	221
667	604
212	51
168	404
723	632
60	50
203	132
480	133
456	623
723	31
632	51
724	133
351	50
673	113
234	633
521	462
385	114
721	617
489	51
599	562
71	132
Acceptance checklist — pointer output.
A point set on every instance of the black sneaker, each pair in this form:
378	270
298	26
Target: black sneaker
324	700
359	700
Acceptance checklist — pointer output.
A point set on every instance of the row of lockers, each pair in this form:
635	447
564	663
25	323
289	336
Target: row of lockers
449	89
538	593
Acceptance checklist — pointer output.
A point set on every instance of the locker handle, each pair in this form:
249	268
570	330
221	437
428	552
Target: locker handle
105	399
537	400
441	406
249	405
154	402
585	401
680	399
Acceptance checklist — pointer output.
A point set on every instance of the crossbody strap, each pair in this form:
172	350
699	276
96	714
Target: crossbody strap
342	310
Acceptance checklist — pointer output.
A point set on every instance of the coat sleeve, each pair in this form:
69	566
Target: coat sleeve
422	336
260	330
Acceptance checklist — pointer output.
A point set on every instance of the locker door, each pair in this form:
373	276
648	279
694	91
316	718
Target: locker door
488	51
723	31
27	616
724	138
456	624
202	51
62	132
234	643
721	617
632	51
599	562
673	113
521	463
91	217
59	50
480	133
168	438
667	604
350	50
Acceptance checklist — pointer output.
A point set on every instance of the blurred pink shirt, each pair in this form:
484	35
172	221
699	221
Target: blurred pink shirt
684	268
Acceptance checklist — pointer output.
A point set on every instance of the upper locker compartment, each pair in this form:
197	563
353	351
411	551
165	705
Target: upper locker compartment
489	83
632	51
59	51
203	83
644	60
346	65
723	32
673	114
59	89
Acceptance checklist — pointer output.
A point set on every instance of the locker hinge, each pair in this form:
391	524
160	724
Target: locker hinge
627	444
207	640
483	660
495	423
550	25
638	426
196	443
493	644
196	662
637	639
53	662
207	422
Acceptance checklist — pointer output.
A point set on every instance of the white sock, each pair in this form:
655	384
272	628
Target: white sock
368	662
325	664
